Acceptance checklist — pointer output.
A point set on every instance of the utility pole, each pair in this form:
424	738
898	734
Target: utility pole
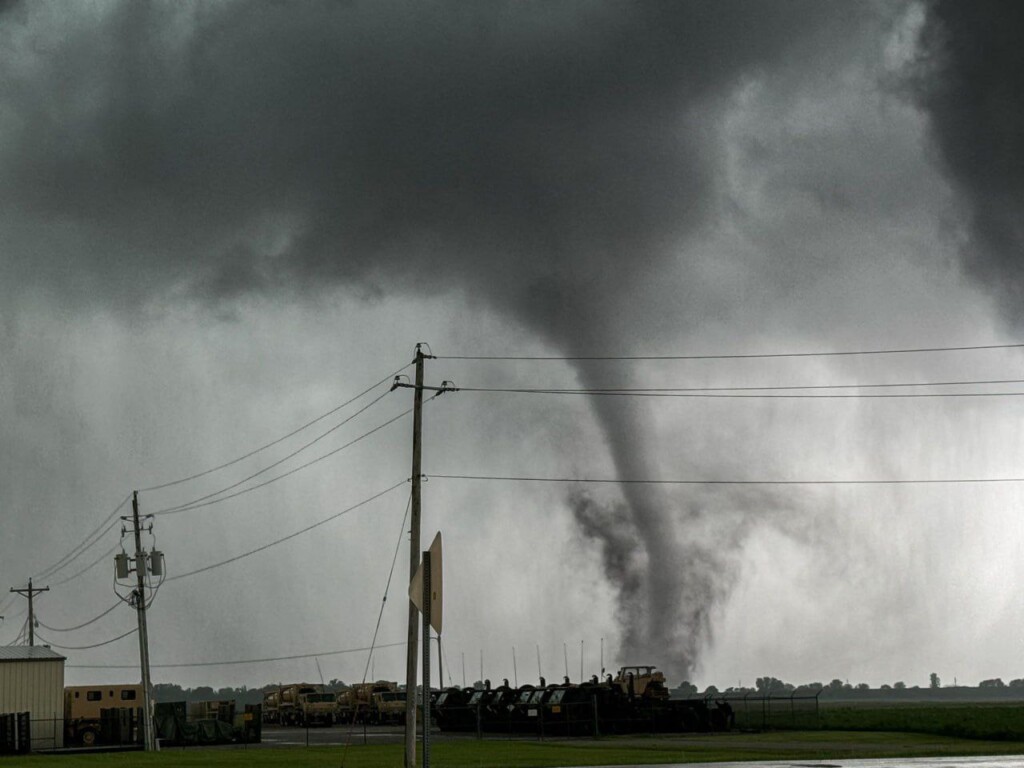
30	592
138	601
426	659
414	562
414	547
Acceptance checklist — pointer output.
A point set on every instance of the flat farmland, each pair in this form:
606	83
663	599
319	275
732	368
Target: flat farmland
344	748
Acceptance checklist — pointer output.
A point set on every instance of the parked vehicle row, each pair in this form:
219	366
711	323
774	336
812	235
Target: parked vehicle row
307	704
636	700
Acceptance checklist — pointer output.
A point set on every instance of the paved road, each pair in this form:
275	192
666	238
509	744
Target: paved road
1013	761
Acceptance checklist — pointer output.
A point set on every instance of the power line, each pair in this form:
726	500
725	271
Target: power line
749	388
22	634
272	443
387	587
90	566
719	395
751	356
192	506
289	536
87	542
887	481
131	631
229	662
8	621
6	602
79	626
281	461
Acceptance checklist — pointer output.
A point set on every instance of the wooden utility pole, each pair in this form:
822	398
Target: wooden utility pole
414	546
426	659
30	592
414	562
148	740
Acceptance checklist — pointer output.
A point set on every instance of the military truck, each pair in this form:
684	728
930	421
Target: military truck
357	705
281	704
318	708
388	707
83	708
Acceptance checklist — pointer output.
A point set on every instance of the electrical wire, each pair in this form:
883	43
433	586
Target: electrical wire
22	634
387	587
90	566
230	662
6	603
272	443
447	666
752	356
719	395
94	645
79	626
380	616
285	474
746	388
87	542
887	481
289	536
12	612
197	502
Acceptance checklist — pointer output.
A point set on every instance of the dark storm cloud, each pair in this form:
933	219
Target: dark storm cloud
517	148
543	158
975	97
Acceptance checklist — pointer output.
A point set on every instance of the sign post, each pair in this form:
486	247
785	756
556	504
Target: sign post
425	593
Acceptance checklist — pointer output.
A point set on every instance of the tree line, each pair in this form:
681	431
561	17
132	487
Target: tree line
763	686
771	686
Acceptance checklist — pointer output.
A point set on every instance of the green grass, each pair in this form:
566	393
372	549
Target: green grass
975	721
808	745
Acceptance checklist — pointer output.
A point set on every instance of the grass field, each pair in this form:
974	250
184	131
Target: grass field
814	745
971	721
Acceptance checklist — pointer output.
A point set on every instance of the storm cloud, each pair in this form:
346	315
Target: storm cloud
607	178
973	88
544	159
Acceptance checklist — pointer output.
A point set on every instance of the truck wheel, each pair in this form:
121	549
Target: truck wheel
88	737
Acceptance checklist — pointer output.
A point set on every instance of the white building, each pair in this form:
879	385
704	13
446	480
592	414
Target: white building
32	680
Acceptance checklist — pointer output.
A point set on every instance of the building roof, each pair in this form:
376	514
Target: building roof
29	653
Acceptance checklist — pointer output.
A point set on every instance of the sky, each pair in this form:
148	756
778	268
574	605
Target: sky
222	222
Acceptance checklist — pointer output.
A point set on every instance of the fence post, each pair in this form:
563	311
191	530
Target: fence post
597	727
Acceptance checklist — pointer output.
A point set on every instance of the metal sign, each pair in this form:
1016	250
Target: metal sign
416	585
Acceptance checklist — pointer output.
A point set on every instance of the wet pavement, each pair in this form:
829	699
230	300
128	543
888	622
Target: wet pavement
1002	761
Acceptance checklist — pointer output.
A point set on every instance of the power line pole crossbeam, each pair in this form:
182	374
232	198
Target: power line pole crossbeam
30	592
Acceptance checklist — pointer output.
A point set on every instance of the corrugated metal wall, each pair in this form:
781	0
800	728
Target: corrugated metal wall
37	687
